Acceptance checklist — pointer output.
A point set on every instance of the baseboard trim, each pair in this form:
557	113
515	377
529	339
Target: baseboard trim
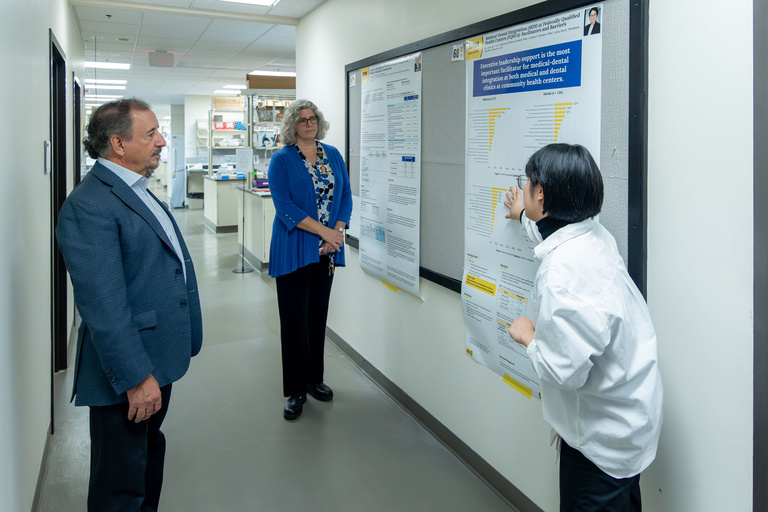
219	229
250	258
484	471
43	473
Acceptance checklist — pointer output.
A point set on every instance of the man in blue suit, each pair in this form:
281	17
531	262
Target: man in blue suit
136	291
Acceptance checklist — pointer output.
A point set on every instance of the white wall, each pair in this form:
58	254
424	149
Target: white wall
177	119
25	330
195	108
699	192
700	252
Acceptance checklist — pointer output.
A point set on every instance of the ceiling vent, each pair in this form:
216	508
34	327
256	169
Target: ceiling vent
161	59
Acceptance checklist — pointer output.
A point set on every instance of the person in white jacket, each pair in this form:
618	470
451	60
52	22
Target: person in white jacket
588	334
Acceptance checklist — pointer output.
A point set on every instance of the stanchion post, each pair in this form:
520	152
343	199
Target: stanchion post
243	269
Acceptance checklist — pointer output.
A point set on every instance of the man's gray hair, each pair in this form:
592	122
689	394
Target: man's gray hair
112	118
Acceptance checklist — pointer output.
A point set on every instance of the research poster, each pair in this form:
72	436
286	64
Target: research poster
527	86
390	171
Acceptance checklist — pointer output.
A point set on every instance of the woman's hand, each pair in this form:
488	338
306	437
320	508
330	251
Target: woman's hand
334	238
522	331
514	202
325	249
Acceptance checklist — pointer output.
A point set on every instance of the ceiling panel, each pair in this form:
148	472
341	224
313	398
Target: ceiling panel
209	51
159	43
233	37
115	46
165	3
110	28
100	14
229	7
193	23
170	32
286	31
199	52
219	45
241	27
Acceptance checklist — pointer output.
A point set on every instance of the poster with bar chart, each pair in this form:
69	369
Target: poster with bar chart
527	86
390	171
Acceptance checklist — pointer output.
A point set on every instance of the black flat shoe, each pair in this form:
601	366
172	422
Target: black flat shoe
320	392
294	407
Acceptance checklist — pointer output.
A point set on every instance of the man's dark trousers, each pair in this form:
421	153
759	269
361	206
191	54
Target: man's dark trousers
126	459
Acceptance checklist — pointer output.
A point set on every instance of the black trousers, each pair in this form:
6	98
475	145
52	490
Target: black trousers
586	488
127	459
302	298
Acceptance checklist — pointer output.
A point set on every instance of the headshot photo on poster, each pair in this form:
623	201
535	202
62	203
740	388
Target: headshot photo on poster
592	25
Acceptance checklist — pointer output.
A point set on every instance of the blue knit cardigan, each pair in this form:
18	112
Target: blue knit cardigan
293	193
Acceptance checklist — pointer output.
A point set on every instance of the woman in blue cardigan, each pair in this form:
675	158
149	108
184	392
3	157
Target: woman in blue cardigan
313	203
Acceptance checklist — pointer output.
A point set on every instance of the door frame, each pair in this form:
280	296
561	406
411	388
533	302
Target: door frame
58	175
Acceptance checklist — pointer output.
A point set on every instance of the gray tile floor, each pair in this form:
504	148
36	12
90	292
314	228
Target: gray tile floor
229	448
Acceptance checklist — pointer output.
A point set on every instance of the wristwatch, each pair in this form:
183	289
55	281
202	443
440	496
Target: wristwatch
341	229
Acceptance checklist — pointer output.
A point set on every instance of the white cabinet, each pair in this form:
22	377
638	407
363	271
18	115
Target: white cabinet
256	235
220	204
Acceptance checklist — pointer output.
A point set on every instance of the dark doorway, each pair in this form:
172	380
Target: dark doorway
760	258
58	170
77	131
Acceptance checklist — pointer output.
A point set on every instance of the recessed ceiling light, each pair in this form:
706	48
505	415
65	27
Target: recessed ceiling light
226	91
272	73
106	65
266	3
100	86
101	97
101	81
235	87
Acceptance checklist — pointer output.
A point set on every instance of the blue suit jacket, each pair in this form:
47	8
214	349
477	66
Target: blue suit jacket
139	316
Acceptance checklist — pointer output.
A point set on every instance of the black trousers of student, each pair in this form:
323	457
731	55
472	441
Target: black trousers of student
127	459
586	488
302	298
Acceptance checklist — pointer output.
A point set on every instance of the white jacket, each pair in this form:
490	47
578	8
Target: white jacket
594	350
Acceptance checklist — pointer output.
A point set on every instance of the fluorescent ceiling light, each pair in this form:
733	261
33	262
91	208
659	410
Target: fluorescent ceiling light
226	91
100	97
235	87
266	3
166	117
99	86
272	73
106	65
100	81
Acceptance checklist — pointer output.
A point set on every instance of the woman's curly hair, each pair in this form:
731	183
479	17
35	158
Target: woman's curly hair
291	120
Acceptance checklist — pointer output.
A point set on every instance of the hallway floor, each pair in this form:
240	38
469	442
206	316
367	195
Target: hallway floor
229	448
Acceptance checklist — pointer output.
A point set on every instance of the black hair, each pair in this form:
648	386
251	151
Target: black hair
594	9
570	179
113	118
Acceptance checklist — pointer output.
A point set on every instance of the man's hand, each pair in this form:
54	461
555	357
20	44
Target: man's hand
522	331
144	400
514	202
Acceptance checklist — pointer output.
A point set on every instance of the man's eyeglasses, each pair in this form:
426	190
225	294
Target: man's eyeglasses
303	121
522	179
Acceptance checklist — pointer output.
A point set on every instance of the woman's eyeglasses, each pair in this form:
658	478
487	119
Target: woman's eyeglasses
303	121
522	179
